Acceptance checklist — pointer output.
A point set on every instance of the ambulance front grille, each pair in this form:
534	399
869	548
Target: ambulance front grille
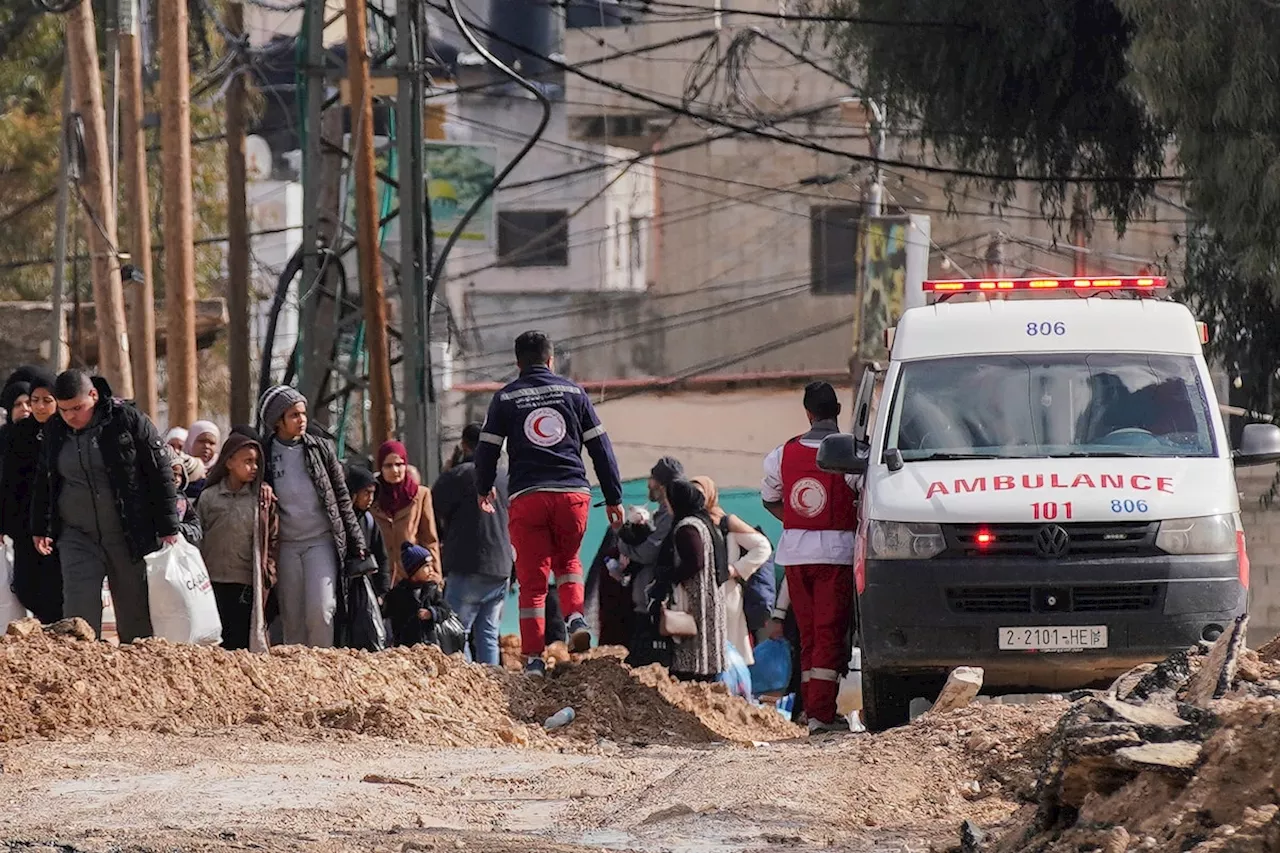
1092	598
1087	539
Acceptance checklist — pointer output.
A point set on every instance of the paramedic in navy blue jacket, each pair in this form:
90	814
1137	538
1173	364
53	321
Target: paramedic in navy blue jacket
545	420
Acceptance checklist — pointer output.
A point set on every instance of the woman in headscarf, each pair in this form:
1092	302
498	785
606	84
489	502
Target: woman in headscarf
37	579
176	438
203	439
15	398
404	513
747	550
692	570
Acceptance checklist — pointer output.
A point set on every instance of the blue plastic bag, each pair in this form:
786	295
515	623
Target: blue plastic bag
772	670
737	676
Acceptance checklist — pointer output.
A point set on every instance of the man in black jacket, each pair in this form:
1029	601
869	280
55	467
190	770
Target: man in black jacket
475	549
105	494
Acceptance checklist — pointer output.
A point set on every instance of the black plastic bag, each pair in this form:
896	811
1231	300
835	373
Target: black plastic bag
365	628
448	632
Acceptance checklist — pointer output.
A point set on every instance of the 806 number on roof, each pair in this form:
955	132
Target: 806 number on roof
1046	329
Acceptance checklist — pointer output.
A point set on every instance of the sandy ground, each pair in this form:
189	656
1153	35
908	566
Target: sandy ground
176	748
245	788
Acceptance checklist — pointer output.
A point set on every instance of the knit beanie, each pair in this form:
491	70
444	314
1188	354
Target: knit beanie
359	477
274	403
178	433
413	557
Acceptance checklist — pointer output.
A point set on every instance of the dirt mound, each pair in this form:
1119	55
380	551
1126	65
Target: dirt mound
1184	756
58	685
646	705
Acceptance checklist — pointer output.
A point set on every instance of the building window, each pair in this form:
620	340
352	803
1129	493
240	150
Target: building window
833	247
533	238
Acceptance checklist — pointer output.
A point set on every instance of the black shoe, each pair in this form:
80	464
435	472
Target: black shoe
536	667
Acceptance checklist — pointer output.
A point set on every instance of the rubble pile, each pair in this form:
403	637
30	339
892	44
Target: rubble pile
1179	756
58	682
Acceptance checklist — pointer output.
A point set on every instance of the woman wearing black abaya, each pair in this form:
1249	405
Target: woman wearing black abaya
37	579
693	567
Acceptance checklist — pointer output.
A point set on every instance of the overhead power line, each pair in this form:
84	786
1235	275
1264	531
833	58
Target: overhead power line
670	107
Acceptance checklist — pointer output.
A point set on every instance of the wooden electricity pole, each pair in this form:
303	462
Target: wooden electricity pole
381	417
95	193
179	229
237	233
139	297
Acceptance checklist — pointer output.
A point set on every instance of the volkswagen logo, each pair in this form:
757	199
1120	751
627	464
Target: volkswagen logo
1052	542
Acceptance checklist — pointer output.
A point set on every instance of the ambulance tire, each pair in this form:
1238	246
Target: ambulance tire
886	700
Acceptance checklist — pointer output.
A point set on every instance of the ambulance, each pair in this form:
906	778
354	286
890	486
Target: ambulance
1048	493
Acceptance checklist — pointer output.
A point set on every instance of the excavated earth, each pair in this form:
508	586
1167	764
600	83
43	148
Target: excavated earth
154	746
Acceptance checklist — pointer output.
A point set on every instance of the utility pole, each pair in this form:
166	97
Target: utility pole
57	308
1080	233
421	432
113	10
95	190
179	230
237	232
875	196
373	300
139	297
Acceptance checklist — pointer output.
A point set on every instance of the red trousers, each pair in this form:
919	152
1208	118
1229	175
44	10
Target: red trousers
822	600
546	531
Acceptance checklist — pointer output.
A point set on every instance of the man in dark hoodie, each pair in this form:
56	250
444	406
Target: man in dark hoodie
105	494
475	549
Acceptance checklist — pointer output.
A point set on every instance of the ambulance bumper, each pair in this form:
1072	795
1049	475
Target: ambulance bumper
932	615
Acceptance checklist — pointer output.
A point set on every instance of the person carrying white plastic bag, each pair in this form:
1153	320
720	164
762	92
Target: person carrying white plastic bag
183	608
11	609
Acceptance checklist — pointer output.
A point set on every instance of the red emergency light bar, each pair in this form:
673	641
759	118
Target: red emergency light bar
997	285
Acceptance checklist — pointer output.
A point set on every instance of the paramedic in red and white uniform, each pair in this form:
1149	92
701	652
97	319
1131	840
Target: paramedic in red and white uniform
818	511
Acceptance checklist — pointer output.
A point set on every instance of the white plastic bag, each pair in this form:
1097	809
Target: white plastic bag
11	609
183	609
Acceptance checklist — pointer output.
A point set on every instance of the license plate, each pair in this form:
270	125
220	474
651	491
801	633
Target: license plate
1064	638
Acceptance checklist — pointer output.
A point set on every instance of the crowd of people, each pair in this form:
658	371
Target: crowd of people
89	488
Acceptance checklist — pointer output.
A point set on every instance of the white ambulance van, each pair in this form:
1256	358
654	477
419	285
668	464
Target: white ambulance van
1048	490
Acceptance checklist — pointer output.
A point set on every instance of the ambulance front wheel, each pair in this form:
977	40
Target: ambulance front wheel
886	700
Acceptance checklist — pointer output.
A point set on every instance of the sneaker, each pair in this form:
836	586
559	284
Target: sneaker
536	667
838	725
579	634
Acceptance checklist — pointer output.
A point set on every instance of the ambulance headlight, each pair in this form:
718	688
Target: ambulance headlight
898	540
1206	534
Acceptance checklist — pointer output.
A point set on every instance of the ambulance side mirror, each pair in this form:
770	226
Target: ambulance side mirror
1259	445
839	454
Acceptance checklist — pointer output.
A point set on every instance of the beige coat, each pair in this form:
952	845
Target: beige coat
415	523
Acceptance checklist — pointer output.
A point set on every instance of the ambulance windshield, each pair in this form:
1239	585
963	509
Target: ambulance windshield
1083	404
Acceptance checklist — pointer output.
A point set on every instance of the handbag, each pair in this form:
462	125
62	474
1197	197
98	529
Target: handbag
676	624
675	620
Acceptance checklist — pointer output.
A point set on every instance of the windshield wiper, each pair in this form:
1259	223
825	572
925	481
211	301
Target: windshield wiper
946	456
1105	454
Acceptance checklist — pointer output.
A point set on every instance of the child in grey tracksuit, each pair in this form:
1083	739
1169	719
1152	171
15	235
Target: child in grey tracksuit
319	531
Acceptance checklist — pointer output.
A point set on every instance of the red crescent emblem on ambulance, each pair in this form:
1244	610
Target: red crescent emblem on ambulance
544	427
808	497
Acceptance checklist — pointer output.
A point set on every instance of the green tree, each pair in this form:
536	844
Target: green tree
31	63
1033	88
1100	89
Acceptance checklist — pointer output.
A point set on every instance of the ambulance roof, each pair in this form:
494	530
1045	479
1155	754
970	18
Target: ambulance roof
1068	324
